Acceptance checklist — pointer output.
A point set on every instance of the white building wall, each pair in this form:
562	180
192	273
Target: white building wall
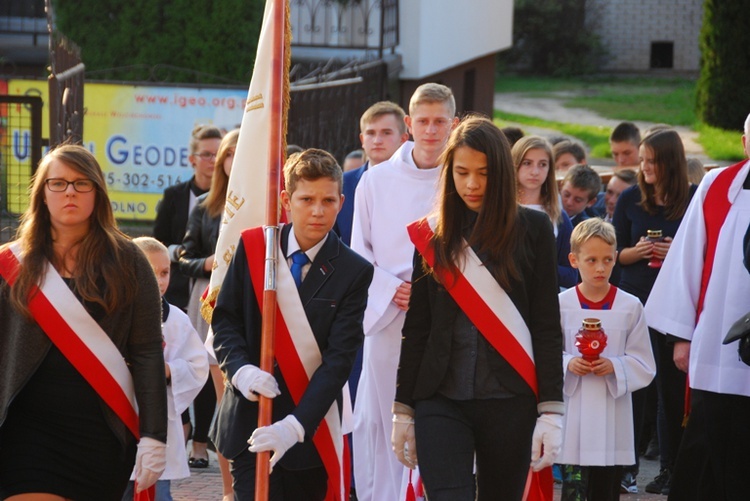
440	34
628	27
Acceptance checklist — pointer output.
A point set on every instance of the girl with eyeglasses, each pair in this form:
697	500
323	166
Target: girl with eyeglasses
84	296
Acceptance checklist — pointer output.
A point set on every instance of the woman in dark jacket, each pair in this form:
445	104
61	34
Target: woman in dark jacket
196	261
60	431
658	202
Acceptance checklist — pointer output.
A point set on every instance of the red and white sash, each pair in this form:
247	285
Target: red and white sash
716	207
493	313
80	339
298	356
498	320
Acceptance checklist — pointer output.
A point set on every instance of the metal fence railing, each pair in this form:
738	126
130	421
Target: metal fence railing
327	104
20	151
348	24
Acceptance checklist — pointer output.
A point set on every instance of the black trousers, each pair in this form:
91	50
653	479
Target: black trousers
450	432
670	383
591	483
713	459
640	400
285	485
204	407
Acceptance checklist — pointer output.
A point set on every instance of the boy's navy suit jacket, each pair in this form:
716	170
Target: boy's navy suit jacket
334	296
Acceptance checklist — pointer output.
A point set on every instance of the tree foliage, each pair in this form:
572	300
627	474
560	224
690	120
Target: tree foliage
195	41
723	100
553	37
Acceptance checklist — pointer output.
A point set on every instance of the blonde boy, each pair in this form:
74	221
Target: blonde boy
598	420
388	198
383	131
186	368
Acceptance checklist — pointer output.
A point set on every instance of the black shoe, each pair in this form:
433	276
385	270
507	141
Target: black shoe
652	450
628	484
659	484
198	462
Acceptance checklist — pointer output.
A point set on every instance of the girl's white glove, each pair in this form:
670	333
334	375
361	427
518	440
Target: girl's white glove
403	440
546	441
150	461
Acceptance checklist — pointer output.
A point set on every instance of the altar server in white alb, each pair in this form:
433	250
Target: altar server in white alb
702	289
186	367
598	420
399	191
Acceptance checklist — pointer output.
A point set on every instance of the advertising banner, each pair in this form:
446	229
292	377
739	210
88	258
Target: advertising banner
140	135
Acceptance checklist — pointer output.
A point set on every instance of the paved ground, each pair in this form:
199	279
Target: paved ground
205	485
202	485
551	108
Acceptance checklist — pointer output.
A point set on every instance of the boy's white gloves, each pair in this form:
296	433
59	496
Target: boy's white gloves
278	437
251	381
547	433
150	461
403	441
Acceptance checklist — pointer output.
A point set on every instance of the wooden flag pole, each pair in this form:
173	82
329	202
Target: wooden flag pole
271	228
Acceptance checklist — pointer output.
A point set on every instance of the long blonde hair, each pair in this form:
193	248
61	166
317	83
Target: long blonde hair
550	200
108	282
217	194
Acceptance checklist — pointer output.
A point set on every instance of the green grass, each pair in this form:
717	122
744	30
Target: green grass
720	144
672	105
596	138
514	83
669	100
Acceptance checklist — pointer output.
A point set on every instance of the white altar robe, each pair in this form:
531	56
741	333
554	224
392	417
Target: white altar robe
598	420
672	305
388	198
188	365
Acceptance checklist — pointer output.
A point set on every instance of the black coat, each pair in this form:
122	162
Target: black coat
199	242
334	296
428	328
135	329
169	228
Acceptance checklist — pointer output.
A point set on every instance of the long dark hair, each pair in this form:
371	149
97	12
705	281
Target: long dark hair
495	233
671	175
102	273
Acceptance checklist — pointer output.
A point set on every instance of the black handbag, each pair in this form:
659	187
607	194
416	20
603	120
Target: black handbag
740	331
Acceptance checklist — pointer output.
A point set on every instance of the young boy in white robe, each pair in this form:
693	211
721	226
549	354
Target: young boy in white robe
598	420
186	368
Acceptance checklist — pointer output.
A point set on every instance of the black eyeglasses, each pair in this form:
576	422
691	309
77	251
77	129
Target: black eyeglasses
57	184
206	155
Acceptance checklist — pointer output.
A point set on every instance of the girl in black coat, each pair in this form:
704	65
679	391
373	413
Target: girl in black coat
460	394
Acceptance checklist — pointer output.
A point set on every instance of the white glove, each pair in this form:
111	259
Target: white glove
251	381
547	433
279	438
403	440
150	461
